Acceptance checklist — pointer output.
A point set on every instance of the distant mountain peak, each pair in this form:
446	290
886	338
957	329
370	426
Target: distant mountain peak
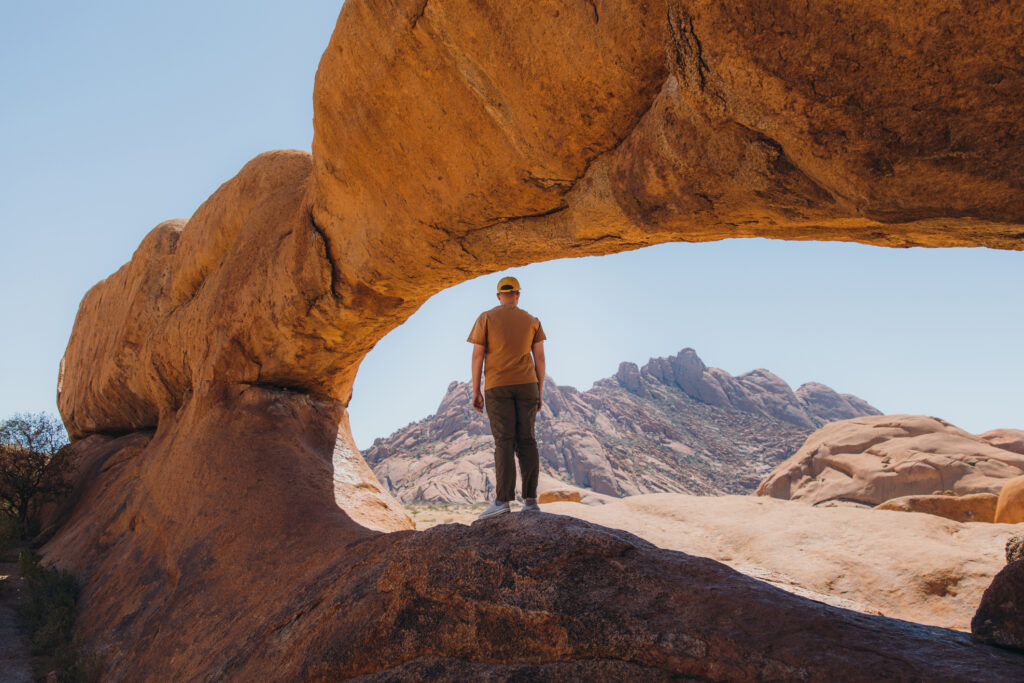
672	425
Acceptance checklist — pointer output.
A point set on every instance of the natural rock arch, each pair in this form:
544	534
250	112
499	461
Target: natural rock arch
454	139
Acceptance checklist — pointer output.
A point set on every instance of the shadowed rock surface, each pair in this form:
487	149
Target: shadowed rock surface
1015	548
870	460
1000	617
672	425
453	139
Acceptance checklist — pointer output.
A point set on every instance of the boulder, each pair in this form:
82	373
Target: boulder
870	460
1010	439
1010	509
1000	616
559	496
973	507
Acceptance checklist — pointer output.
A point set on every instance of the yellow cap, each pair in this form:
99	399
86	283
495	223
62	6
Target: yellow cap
508	285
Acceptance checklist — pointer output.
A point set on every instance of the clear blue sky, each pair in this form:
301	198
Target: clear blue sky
119	115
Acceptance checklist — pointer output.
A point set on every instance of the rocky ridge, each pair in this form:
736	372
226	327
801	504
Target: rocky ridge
672	425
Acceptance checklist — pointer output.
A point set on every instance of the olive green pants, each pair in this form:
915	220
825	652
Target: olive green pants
512	411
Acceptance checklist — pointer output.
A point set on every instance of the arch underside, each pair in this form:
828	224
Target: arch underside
454	139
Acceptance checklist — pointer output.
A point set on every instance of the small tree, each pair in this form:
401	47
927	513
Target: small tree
34	461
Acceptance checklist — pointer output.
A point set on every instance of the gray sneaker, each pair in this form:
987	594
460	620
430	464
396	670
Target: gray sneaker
498	507
530	505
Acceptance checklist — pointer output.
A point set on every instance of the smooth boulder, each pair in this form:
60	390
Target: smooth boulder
1010	509
869	460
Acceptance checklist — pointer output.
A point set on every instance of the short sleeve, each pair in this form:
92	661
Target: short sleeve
538	335
478	335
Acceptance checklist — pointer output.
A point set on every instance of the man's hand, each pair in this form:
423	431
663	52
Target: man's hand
479	351
541	367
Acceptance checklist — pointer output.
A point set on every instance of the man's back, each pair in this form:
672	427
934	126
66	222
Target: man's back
508	334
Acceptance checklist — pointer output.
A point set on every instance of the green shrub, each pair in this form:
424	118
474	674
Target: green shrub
49	611
48	614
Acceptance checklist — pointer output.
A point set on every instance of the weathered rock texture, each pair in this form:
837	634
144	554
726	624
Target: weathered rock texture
973	507
453	139
1010	507
672	425
870	460
1000	616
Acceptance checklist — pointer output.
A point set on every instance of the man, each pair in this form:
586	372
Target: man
511	343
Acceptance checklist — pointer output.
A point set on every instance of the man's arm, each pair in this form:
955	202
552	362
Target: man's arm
478	366
538	363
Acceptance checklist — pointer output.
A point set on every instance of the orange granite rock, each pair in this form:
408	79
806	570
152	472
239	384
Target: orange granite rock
453	139
973	507
559	496
1010	508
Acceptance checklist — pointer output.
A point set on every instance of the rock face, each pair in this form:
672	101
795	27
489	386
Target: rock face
1000	616
672	425
870	460
452	140
974	507
1010	508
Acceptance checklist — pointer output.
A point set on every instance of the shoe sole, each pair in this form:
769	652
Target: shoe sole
494	514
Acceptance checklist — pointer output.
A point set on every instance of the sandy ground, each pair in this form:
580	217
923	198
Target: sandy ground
909	566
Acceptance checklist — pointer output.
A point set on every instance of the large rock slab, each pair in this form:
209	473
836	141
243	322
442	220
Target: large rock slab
870	460
916	567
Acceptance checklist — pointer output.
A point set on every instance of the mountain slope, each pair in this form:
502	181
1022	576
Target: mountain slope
673	425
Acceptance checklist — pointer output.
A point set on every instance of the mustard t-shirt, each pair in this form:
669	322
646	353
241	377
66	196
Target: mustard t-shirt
508	334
